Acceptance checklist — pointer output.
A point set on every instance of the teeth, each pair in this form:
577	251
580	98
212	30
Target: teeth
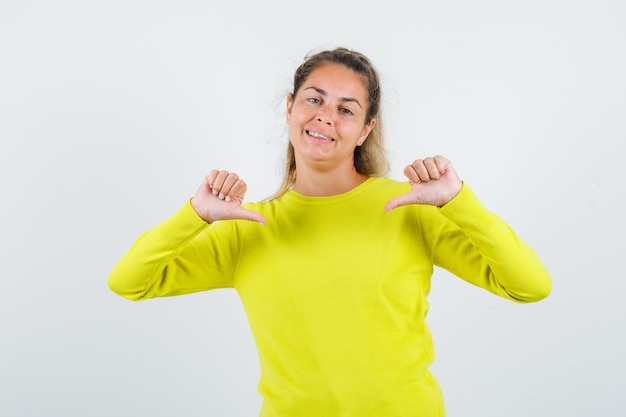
317	135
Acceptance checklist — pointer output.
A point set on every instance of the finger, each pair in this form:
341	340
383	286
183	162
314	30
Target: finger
432	169
210	178
204	187
421	170
230	180
255	216
442	164
218	181
411	174
218	184
237	191
401	200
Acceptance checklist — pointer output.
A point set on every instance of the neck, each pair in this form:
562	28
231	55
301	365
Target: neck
326	183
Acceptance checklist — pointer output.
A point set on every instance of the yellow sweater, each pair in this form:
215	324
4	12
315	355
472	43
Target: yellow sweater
335	290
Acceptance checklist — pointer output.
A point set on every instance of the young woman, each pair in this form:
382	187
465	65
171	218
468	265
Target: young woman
334	270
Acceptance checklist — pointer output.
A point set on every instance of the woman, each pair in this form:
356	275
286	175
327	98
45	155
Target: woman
334	270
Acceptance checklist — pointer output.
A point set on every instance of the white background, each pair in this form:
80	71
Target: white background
112	111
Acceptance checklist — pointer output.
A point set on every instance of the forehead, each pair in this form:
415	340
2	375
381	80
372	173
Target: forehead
337	79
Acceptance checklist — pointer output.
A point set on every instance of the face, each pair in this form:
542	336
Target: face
326	117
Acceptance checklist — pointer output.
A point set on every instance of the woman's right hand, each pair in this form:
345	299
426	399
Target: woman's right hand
220	197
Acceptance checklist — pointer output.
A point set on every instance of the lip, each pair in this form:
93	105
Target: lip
320	137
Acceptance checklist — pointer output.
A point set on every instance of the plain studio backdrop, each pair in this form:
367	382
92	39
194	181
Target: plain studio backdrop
111	113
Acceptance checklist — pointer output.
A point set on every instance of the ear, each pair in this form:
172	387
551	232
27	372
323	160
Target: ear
289	105
366	131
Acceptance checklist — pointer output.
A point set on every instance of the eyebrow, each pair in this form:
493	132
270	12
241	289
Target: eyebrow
343	99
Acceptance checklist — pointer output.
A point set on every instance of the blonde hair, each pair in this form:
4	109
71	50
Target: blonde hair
370	158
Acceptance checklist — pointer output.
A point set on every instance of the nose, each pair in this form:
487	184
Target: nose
324	115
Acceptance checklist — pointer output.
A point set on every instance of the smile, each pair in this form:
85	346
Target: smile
319	136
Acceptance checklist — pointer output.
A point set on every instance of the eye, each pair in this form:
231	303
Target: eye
314	100
346	111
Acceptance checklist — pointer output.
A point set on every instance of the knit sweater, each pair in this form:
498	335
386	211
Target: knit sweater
335	289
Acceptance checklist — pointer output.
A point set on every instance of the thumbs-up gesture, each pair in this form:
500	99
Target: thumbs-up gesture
433	182
220	197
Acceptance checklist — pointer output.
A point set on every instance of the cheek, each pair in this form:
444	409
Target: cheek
302	113
351	131
295	125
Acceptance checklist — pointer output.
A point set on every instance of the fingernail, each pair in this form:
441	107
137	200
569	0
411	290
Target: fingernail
228	199
221	197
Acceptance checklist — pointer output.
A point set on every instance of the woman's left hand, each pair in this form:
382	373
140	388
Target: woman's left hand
433	182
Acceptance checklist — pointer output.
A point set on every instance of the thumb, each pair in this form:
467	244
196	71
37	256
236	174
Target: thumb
401	200
255	216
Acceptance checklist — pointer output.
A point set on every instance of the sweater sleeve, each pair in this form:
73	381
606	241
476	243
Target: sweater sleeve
480	248
181	255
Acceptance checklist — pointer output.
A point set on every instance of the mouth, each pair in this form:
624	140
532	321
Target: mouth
317	135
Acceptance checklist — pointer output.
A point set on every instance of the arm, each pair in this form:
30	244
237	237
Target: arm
466	239
165	260
184	254
479	247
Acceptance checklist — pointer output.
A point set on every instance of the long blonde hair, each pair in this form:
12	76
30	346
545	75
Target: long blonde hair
370	158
